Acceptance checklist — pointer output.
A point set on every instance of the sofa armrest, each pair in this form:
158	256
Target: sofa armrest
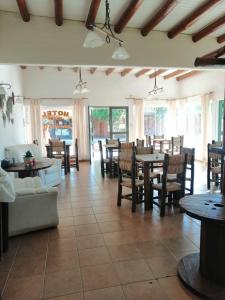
33	191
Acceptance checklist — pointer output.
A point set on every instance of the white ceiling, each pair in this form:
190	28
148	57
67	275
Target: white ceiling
78	10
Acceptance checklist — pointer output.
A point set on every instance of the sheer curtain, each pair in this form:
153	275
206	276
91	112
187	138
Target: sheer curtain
33	121
138	119
80	127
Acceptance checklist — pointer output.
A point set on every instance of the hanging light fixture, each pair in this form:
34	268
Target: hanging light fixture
81	87
94	40
156	90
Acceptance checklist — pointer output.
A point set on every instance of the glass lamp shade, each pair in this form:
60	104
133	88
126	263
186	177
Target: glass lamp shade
93	40
120	53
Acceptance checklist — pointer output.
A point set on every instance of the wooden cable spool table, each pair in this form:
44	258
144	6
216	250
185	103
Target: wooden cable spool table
24	171
204	273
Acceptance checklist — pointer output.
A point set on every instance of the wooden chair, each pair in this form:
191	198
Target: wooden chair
158	137
190	169
214	165
112	142
140	143
148	140
103	161
74	159
176	144
58	150
128	176
175	164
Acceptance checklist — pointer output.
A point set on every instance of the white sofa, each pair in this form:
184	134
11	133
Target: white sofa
50	176
35	206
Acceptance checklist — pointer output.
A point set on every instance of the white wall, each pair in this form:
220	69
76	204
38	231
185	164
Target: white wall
12	133
40	41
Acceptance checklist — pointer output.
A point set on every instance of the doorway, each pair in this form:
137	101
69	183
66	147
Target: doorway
107	123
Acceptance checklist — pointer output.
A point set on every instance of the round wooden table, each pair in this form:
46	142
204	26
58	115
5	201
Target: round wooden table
28	171
204	272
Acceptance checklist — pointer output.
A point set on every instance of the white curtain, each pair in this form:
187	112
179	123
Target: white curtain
80	127
138	120
33	121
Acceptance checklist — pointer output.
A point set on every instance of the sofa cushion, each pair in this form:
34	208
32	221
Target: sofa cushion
7	191
28	182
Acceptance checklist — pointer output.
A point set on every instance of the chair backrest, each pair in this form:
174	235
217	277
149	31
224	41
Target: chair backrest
190	154
212	156
174	164
58	146
177	143
126	152
140	143
155	137
144	150
217	143
148	140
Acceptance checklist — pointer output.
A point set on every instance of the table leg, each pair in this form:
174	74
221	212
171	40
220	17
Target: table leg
68	160
110	163
148	202
1	232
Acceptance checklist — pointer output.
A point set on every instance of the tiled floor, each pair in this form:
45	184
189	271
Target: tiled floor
99	251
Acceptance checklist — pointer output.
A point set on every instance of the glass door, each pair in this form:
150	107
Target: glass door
106	122
119	123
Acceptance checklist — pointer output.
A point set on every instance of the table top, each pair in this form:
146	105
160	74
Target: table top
111	146
205	207
157	157
20	167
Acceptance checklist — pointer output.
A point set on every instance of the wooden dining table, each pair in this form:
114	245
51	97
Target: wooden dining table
148	161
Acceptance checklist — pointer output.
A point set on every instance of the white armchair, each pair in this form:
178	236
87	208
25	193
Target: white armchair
35	206
50	176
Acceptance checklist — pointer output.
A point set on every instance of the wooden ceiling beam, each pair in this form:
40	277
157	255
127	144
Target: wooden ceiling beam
142	72
217	53
161	14
220	39
209	61
208	29
59	69
58	12
191	18
75	69
127	15
93	10
109	71
23	67
126	71
93	70
173	74
23	10
157	73
41	67
187	75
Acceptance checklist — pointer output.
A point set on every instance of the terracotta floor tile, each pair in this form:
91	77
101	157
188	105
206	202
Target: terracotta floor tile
62	283
90	241
86	219
66	221
62	233
87	229
124	252
110	226
28	266
61	245
163	266
112	293
20	288
82	211
94	256
119	238
99	276
175	290
133	270
65	260
152	249
147	290
107	217
179	244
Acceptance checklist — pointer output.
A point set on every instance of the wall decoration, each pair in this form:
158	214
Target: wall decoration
6	104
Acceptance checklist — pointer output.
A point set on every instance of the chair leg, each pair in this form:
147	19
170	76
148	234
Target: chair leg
134	199
102	170
208	179
77	164
119	195
162	206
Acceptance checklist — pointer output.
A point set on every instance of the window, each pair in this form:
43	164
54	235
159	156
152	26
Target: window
155	120
57	124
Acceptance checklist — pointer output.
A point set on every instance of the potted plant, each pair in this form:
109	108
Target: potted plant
28	158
